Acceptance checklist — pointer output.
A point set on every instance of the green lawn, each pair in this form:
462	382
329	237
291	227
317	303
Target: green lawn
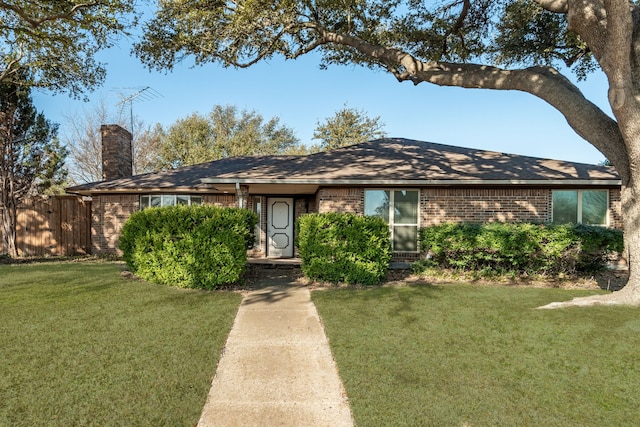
80	345
462	355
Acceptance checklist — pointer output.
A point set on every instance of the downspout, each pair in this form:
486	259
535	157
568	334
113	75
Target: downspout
239	196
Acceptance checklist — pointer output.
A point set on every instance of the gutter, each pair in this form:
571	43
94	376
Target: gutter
413	182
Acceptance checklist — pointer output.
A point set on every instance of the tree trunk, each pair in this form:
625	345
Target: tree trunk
630	294
8	222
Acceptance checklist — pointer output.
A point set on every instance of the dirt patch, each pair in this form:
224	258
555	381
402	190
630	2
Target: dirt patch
612	280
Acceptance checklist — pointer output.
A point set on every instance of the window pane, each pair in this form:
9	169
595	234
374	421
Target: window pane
405	238
156	201
144	202
565	206
182	200
594	207
257	208
168	200
376	203
196	200
405	207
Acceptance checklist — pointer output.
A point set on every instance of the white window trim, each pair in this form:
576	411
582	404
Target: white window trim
579	214
162	198
392	223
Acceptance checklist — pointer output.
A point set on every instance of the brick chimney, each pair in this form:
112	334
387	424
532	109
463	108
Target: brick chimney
116	152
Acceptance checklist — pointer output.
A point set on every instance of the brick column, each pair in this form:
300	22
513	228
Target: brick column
116	152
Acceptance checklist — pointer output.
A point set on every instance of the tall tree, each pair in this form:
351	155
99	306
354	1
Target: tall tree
31	157
490	44
348	126
225	132
83	138
58	40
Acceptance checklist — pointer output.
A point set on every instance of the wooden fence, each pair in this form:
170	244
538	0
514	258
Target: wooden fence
57	226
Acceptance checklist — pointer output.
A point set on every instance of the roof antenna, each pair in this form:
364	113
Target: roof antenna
146	93
141	94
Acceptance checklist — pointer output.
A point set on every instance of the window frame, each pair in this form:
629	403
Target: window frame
257	208
168	196
391	215
579	212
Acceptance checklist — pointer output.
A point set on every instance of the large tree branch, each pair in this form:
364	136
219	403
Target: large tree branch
586	118
36	22
616	61
588	18
556	6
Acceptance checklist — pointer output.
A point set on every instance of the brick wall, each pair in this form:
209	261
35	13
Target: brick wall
108	215
110	212
439	205
615	208
340	200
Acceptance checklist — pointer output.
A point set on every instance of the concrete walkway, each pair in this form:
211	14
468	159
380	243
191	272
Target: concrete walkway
277	368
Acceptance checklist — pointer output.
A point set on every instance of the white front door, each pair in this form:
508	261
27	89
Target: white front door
280	227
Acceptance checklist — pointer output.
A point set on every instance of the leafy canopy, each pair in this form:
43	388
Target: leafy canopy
242	32
224	132
31	156
58	40
348	126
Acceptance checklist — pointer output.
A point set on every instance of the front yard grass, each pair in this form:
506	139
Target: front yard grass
464	355
80	345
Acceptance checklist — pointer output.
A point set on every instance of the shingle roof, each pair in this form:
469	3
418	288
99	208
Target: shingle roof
375	162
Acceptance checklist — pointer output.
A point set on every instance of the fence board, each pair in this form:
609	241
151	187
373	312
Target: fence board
57	226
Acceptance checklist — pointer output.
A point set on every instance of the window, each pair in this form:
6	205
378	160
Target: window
580	206
399	208
160	200
257	208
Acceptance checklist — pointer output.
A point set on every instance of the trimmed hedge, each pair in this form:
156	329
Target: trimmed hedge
344	247
188	246
519	247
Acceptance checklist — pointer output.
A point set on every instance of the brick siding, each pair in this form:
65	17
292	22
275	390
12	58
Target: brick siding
110	212
615	208
439	205
341	200
108	215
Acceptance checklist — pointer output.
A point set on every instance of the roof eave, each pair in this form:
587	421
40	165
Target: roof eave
352	182
416	182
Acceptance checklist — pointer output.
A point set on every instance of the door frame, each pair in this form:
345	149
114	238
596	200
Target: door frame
283	227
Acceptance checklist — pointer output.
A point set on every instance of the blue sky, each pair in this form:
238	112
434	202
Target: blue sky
301	94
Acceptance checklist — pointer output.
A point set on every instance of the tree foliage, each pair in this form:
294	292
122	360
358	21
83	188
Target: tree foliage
58	41
347	127
224	132
491	44
31	157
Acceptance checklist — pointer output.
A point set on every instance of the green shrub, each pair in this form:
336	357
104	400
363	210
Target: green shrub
343	247
188	246
519	247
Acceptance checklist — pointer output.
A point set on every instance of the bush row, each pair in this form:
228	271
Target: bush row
190	247
205	246
519	247
343	247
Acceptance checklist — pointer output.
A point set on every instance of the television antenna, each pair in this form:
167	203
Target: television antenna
146	93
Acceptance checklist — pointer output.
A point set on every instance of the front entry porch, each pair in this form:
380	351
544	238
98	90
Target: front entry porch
275	232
